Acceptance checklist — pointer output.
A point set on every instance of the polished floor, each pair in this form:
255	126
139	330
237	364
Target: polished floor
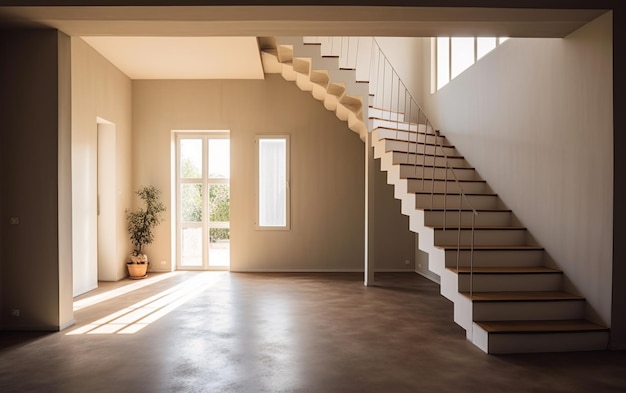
229	332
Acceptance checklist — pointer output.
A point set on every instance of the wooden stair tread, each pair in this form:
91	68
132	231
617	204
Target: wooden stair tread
455	193
494	248
393	121
479	228
469	168
413	142
544	326
412	153
451	179
505	270
383	109
412	132
470	210
515	296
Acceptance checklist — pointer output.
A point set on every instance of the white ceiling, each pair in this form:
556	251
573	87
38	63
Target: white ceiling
182	57
178	42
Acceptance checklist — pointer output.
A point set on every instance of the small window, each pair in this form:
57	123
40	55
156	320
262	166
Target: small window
453	55
443	61
273	182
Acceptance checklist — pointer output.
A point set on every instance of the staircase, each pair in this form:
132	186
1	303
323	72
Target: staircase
489	266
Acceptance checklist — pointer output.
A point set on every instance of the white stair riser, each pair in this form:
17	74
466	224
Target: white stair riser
482	237
357	125
288	72
318	92
419	159
386	114
510	282
391	145
451	186
428	172
548	342
271	65
342	112
528	310
486	202
303	82
483	219
330	102
491	258
407	132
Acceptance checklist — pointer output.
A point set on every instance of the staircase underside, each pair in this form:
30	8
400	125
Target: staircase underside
504	296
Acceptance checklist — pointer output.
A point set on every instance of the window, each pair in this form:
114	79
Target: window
443	61
453	55
273	182
462	55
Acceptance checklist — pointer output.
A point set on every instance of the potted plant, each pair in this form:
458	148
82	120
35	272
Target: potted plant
141	223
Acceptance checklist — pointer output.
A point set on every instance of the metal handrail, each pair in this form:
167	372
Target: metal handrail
403	97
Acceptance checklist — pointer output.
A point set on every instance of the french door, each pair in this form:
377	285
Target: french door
203	200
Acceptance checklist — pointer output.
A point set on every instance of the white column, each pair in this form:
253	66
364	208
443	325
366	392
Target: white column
369	211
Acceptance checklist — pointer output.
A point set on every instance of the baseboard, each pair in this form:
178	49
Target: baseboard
303	271
395	271
296	271
434	278
67	324
617	346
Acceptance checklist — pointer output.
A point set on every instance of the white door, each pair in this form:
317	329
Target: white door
203	200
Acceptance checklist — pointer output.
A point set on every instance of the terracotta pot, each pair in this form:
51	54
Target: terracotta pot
137	270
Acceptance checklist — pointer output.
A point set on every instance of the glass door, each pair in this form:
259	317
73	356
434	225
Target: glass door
203	200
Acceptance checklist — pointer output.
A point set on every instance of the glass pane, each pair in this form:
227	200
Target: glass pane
462	51
272	182
219	158
443	61
484	46
190	158
219	202
191	244
191	202
219	246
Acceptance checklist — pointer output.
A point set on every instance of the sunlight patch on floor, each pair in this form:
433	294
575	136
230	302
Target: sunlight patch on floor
101	297
132	319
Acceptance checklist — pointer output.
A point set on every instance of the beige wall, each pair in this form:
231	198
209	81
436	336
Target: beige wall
98	90
35	255
327	179
406	54
535	118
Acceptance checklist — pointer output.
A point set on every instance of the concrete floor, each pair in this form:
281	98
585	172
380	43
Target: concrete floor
228	332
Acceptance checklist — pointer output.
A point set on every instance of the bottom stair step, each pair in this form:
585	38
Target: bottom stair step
539	336
525	305
570	325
